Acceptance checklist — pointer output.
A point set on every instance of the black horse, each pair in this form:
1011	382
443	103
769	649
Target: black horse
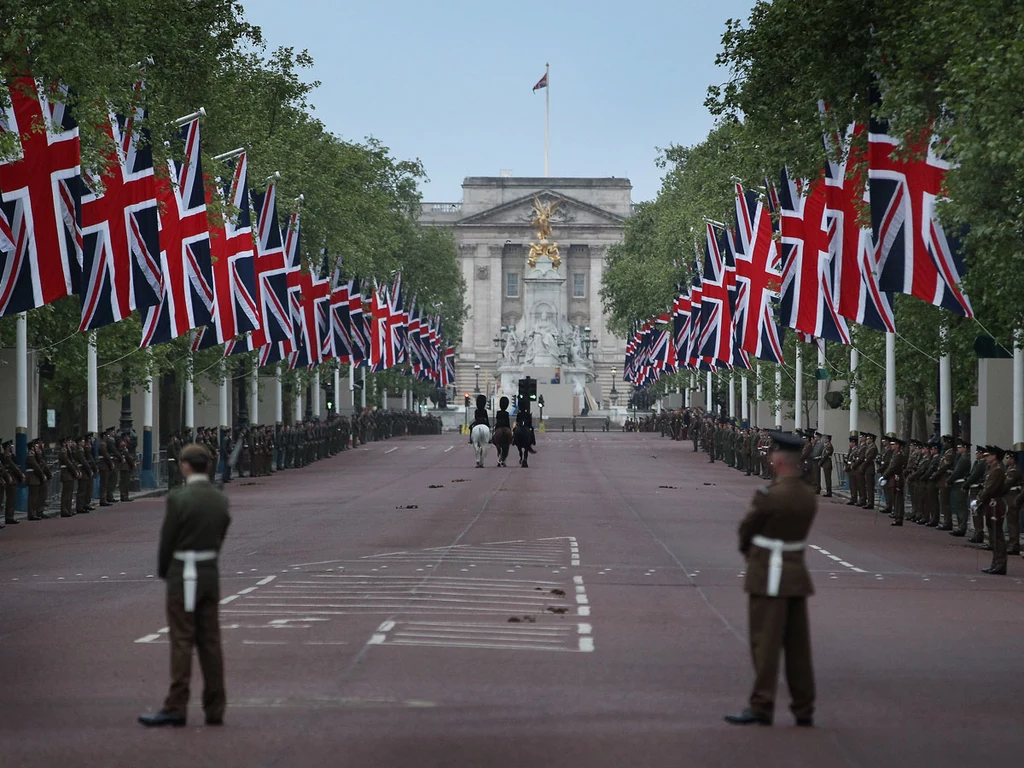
523	437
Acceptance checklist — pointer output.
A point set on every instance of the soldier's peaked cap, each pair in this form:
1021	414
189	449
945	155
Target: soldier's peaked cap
853	433
961	441
828	437
890	435
784	441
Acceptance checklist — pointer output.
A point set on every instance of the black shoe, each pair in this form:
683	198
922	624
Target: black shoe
976	540
85	511
805	722
162	718
746	717
12	522
944	528
987	547
897	523
994	571
67	514
215	721
826	495
106	504
958	534
852	503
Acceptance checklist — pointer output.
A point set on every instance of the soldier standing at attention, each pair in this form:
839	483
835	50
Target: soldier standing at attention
125	469
893	478
194	527
958	488
772	538
853	471
68	475
106	467
114	461
1011	487
888	448
867	483
17	477
817	449
974	483
946	463
84	494
826	464
990	502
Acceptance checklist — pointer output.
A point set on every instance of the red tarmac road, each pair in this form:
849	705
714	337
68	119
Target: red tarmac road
367	623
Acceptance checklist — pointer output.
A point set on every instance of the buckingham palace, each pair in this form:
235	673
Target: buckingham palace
541	319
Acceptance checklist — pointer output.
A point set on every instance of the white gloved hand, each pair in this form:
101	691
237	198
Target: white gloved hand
883	482
974	505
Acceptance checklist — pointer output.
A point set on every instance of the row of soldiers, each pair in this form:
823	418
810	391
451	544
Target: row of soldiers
947	490
110	457
260	450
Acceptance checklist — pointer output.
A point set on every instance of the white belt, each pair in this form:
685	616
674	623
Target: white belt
776	547
190	557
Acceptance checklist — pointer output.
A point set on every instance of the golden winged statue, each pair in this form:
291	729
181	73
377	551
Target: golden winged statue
542	221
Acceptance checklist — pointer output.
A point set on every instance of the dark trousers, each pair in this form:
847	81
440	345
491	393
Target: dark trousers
945	508
826	473
1012	526
896	494
995	521
11	495
125	482
958	505
780	625
105	490
83	493
200	629
67	496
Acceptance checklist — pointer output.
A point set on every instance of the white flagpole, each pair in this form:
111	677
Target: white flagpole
798	399
547	115
890	382
854	395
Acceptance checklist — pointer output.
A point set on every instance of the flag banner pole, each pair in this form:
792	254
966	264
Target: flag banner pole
945	392
854	395
822	383
547	116
147	478
1018	388
798	394
890	382
21	401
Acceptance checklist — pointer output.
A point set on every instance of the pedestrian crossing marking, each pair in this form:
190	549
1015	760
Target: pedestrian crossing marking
526	636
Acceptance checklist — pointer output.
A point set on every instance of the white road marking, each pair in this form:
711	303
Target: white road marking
264	582
837	559
148	639
247	590
228	599
449	449
390	450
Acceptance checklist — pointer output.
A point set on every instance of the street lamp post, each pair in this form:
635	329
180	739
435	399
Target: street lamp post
476	371
614	393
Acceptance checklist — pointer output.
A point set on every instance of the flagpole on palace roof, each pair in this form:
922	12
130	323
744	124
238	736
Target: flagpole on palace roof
547	115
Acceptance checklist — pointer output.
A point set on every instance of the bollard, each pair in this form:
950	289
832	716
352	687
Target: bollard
563	427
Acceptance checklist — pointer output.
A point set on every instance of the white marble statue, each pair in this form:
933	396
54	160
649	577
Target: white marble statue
511	350
576	346
543	340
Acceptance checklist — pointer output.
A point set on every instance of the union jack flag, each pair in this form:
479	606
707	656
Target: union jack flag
861	299
234	268
693	356
397	323
913	252
808	301
41	208
448	368
121	230
358	324
716	324
271	275
187	300
758	276
681	326
379	342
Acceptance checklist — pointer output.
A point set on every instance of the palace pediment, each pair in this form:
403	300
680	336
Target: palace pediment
519	213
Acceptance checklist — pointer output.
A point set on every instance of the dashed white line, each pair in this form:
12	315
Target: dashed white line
390	450
264	582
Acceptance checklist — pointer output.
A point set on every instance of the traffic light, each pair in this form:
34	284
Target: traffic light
467	399
330	397
528	388
541	401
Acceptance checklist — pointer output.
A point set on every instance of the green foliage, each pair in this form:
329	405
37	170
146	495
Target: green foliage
359	204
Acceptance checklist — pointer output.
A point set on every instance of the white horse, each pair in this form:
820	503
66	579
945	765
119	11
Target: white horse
481	438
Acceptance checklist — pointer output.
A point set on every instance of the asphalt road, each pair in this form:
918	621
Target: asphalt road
585	612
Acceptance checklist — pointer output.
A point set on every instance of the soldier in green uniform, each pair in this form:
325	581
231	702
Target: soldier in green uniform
16	478
69	475
867	482
991	502
194	528
827	452
946	463
892	481
84	492
958	490
1011	488
853	470
772	539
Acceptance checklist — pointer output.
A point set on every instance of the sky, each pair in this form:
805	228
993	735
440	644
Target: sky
449	81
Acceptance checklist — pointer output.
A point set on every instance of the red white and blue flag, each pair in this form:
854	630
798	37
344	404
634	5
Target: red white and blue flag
860	298
271	275
121	229
716	318
758	277
913	252
40	201
234	259
187	299
808	301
